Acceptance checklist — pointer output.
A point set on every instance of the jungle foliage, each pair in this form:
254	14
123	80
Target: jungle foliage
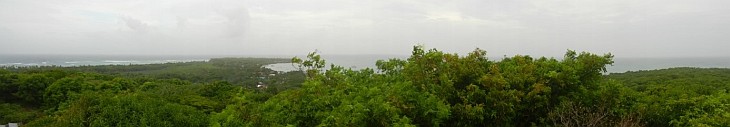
430	88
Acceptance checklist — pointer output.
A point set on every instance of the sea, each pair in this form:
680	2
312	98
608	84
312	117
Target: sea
348	61
85	60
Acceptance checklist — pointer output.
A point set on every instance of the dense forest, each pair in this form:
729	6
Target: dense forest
430	88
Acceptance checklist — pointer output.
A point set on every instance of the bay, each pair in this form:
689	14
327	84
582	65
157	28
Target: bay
348	61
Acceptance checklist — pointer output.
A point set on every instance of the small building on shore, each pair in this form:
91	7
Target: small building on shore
261	85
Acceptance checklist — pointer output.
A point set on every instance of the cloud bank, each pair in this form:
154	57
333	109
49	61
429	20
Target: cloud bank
648	28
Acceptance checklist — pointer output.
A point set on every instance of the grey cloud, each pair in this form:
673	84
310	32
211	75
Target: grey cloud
627	28
135	24
181	22
238	21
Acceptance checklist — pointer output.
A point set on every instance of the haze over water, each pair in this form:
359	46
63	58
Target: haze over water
620	64
347	61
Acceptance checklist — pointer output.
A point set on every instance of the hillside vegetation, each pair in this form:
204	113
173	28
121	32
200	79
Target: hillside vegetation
681	96
430	88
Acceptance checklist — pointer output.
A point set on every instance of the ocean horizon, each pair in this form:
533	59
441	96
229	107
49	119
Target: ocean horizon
348	61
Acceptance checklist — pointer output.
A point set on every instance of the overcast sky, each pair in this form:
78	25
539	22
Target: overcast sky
626	28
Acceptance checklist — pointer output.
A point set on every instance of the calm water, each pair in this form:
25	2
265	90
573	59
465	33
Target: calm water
620	64
79	60
635	64
347	61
